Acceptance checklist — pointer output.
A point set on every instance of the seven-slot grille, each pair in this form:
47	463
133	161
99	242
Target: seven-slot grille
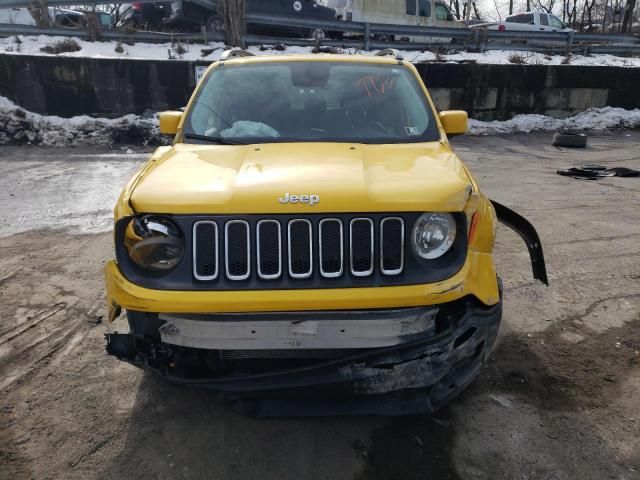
298	248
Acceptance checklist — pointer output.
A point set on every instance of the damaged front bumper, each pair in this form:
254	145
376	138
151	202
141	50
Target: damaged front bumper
413	372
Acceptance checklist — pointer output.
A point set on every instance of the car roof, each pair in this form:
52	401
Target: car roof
321	57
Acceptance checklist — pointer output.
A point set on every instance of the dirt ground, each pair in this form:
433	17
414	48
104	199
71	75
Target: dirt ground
559	399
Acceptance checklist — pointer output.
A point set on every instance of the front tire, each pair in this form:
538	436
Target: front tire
318	34
569	139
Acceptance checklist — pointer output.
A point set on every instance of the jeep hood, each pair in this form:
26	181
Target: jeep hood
221	179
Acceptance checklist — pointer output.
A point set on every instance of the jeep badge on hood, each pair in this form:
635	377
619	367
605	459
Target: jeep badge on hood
310	199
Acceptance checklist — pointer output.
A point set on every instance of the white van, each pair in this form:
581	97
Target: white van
398	12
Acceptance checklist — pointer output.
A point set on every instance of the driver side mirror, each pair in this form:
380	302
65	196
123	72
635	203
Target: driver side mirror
454	122
169	122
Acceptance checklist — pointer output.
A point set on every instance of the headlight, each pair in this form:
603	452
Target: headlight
154	243
433	234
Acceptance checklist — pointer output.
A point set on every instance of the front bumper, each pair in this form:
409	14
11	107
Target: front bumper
418	376
477	277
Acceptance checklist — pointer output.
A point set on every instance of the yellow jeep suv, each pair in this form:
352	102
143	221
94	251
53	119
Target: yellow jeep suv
310	244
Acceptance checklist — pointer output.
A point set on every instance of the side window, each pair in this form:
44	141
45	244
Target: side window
543	19
524	18
442	13
555	22
411	7
424	8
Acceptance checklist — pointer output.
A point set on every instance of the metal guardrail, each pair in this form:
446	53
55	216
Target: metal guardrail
65	3
8	29
363	35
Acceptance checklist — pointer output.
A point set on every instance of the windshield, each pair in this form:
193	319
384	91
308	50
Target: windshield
310	102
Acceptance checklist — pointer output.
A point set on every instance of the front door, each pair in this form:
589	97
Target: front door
412	12
544	22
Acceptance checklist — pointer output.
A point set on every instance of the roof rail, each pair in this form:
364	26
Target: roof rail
390	52
234	53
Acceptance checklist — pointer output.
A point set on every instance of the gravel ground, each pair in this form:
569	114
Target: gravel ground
558	400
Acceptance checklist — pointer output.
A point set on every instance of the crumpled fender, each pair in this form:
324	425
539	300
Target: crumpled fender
522	227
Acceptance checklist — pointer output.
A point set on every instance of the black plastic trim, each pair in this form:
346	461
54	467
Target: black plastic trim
522	227
416	270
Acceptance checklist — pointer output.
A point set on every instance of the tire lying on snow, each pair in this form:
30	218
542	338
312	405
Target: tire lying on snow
569	139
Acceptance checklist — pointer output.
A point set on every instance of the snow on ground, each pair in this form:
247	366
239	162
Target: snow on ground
530	58
30	45
592	119
18	126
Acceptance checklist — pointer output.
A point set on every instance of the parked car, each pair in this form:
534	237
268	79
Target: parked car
310	244
63	17
205	12
105	19
401	12
529	21
143	15
78	18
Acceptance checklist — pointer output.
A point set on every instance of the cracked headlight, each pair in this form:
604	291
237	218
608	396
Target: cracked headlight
154	243
433	234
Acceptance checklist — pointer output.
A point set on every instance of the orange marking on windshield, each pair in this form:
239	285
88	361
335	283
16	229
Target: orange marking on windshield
379	84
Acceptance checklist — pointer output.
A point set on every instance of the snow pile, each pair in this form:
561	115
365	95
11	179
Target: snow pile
31	45
19	126
592	119
502	57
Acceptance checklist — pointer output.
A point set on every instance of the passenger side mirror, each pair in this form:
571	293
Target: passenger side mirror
169	122
454	122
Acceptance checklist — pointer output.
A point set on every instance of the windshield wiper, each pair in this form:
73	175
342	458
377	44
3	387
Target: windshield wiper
219	140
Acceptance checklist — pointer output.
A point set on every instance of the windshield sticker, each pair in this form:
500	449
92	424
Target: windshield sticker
378	84
412	131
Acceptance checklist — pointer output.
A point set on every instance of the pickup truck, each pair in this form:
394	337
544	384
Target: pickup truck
529	21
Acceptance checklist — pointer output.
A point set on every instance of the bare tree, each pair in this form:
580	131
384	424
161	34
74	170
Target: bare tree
114	11
569	11
457	5
572	16
627	21
545	6
232	13
604	16
495	4
475	11
589	7
40	13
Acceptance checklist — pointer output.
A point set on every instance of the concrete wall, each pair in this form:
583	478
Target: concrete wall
501	91
68	86
108	87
